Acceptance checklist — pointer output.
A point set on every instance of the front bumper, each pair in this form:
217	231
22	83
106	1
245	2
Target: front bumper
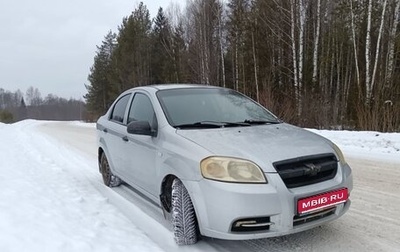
220	205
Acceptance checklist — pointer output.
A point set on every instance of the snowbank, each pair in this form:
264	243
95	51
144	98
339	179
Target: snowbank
366	144
83	124
49	203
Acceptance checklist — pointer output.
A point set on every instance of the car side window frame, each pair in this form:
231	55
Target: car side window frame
154	122
124	119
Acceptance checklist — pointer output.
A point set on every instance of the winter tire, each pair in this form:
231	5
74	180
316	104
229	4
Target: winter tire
183	215
109	178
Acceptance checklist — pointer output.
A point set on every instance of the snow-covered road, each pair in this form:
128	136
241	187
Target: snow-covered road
52	198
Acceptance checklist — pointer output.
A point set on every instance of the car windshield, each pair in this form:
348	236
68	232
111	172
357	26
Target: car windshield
211	107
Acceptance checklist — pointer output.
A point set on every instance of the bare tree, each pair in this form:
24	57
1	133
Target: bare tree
203	18
392	41
368	88
33	97
297	85
221	23
316	43
354	39
378	46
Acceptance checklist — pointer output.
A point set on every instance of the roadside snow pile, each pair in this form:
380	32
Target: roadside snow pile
365	143
82	124
47	204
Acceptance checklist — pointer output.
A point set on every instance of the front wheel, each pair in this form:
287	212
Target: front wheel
183	215
109	178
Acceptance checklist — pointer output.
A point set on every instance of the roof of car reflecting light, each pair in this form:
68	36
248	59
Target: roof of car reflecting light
178	86
159	87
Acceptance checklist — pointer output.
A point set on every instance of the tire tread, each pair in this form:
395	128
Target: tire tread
183	215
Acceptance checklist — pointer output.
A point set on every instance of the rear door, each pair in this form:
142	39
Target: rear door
115	133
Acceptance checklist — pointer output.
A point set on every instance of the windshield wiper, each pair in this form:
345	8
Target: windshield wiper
235	124
211	124
252	122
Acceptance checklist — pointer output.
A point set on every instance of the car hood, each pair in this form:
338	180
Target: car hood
262	144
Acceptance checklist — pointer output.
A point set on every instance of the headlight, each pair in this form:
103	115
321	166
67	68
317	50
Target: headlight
231	170
342	160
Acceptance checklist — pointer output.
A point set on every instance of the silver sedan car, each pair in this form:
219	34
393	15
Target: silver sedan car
219	164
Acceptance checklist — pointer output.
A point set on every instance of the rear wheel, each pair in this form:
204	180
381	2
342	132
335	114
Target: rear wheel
183	215
109	178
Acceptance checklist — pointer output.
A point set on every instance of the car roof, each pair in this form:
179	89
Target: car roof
174	86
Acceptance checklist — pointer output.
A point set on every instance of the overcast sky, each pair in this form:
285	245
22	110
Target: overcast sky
50	44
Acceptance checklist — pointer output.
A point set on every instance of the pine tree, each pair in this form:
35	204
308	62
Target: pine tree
22	110
162	64
131	60
101	90
180	55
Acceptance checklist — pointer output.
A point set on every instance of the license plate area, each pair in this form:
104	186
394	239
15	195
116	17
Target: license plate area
322	201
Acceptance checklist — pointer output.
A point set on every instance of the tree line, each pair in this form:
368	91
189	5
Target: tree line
314	63
15	106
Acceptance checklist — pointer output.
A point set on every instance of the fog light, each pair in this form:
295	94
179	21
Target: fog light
252	224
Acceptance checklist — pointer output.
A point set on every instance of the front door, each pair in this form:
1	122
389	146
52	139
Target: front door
142	149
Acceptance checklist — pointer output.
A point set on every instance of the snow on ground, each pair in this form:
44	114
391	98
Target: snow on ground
46	206
81	124
52	198
365	144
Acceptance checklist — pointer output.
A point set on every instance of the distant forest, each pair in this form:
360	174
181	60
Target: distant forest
14	107
314	63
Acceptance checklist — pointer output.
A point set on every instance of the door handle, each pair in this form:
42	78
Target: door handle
125	138
105	130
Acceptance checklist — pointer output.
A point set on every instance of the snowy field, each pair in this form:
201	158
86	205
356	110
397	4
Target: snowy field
52	198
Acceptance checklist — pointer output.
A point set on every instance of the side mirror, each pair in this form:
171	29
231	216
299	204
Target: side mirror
141	128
